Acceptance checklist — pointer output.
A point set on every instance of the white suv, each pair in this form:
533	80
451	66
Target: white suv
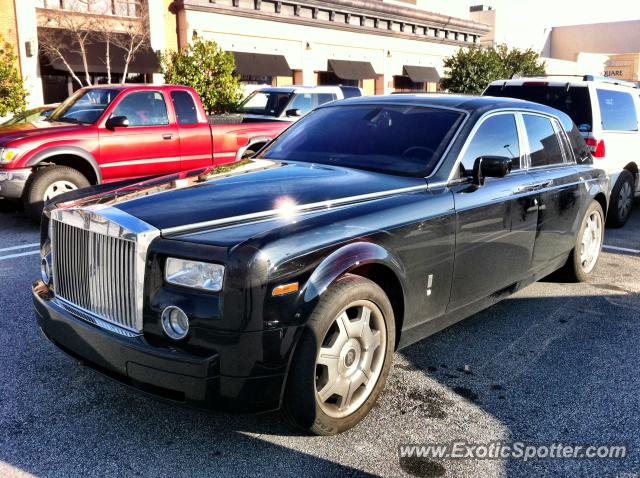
289	103
607	113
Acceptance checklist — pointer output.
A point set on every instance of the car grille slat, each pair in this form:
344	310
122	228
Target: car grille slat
96	273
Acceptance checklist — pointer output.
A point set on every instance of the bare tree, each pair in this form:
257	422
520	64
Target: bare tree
79	27
122	26
133	33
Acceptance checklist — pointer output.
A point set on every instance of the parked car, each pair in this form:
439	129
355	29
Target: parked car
607	113
290	103
33	115
375	223
109	133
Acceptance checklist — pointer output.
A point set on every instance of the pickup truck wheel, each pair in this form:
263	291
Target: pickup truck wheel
49	182
621	200
342	359
586	252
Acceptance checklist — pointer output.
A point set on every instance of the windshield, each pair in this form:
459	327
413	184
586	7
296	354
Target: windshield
573	101
29	116
85	106
392	139
265	103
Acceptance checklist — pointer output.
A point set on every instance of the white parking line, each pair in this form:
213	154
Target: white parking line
621	249
11	256
24	246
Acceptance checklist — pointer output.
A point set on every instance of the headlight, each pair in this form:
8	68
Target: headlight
8	154
197	275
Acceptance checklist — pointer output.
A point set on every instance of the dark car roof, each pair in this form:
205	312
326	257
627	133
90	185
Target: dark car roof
468	103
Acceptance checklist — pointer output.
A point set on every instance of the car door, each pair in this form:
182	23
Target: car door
148	146
196	140
560	190
496	222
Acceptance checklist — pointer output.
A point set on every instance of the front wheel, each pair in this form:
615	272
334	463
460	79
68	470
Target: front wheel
49	182
342	359
586	252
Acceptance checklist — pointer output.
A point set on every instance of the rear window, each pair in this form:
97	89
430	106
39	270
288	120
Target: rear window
617	111
574	102
393	139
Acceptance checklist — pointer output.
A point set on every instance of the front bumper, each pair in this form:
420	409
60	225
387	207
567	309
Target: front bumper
12	182
164	372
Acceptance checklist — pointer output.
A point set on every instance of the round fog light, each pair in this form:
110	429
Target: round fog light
45	271
175	322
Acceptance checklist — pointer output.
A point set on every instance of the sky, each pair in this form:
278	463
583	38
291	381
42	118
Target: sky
526	23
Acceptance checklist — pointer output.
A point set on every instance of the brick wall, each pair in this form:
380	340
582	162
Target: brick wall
8	23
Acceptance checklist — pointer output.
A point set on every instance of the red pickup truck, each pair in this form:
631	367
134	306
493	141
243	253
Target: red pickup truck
115	132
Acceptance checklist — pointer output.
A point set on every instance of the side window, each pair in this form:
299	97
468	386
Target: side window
543	141
326	98
496	136
302	102
186	111
566	148
143	108
617	111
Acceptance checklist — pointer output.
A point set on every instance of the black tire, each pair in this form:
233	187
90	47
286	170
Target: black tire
301	404
40	181
574	270
622	196
248	153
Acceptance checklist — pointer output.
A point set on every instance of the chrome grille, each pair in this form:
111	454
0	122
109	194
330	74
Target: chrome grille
98	257
96	272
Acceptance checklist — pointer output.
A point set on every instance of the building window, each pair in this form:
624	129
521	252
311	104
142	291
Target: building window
404	83
328	78
123	8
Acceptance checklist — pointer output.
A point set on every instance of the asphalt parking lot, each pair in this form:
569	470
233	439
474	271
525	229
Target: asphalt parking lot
554	363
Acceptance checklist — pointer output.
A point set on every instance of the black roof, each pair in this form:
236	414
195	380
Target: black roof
467	103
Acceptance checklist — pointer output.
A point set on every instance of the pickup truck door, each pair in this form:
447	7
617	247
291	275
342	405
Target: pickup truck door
196	140
148	146
496	222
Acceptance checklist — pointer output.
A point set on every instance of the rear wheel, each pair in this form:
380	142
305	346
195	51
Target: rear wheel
342	359
49	182
584	256
621	200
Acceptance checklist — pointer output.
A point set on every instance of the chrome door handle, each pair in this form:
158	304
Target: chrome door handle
167	136
543	185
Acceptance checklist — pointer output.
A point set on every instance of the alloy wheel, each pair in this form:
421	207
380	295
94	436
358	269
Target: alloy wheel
591	241
57	188
625	200
350	358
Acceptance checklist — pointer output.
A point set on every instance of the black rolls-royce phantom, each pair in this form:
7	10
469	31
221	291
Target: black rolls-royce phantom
369	224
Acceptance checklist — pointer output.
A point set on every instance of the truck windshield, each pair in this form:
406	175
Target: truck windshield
85	106
392	139
265	103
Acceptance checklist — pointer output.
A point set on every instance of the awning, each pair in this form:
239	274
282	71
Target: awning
259	64
145	60
352	70
422	74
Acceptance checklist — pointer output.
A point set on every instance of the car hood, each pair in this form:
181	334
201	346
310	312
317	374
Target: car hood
192	198
14	132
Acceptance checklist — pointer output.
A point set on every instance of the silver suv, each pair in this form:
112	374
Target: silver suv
607	114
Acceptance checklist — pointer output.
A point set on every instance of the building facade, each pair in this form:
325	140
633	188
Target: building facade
609	49
32	24
377	45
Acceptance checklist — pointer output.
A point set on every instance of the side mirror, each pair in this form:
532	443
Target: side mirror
117	122
490	167
295	112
